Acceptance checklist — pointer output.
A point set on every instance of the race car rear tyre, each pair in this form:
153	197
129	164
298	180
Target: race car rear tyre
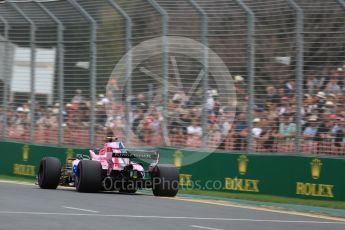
49	173
89	176
165	179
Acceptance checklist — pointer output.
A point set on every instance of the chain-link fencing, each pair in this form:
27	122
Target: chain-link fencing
235	75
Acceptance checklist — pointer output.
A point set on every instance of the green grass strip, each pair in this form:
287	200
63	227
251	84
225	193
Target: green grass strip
14	178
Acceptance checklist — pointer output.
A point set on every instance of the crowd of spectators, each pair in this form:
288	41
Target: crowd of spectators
274	122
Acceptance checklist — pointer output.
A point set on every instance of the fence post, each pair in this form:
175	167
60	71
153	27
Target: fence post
32	68
129	67
60	63
93	57
299	70
204	38
250	70
165	21
6	78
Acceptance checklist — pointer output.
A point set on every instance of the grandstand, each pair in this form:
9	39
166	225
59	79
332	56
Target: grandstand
282	90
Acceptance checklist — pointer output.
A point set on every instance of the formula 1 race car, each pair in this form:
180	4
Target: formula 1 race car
110	168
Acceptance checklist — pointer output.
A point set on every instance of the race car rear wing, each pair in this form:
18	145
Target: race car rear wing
138	154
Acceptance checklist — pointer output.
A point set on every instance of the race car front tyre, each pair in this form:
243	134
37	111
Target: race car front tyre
89	176
49	173
165	179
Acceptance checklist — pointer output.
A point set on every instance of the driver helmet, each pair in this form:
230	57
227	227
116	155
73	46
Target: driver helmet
110	138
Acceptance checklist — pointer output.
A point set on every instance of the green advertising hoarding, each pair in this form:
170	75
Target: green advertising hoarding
282	175
18	159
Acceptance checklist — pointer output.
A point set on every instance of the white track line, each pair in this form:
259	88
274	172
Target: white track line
171	217
80	209
202	227
224	203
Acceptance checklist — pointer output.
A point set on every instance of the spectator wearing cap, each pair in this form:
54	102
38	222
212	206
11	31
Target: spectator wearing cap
240	87
257	130
330	107
101	99
311	129
320	99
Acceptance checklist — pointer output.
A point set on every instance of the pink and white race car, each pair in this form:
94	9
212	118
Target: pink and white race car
110	168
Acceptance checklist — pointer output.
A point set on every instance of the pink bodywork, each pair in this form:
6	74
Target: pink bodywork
113	163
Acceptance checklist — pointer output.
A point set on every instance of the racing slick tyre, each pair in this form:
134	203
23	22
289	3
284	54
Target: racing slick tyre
89	176
165	179
49	173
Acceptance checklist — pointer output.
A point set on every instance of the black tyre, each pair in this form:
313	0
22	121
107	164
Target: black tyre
49	173
165	179
129	191
89	176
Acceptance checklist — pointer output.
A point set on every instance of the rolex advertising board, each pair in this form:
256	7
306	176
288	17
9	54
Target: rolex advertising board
306	177
19	159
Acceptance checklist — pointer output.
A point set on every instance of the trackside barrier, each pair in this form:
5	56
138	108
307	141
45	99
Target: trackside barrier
306	177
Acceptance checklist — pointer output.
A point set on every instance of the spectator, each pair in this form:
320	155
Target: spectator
287	128
194	132
333	86
320	99
101	115
257	130
271	97
285	106
48	121
113	90
312	84
139	102
78	98
311	130
340	135
290	87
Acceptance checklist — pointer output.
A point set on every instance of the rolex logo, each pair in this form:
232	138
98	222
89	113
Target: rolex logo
242	164
316	168
69	156
178	158
25	152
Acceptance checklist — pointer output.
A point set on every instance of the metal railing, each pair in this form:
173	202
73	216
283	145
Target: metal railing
238	75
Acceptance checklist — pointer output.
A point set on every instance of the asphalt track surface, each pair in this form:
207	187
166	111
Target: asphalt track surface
30	208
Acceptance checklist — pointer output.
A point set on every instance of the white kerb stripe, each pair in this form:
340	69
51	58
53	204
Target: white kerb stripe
80	209
202	227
